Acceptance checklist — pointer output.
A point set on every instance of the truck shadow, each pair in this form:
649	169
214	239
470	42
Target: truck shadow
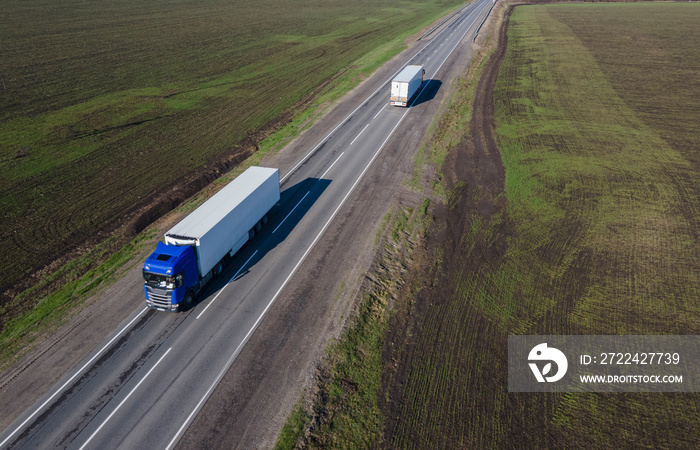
430	90
295	202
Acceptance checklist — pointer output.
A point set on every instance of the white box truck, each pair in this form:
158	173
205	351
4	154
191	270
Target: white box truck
406	84
196	249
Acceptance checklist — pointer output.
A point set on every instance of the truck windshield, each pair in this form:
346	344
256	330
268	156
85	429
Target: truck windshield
157	280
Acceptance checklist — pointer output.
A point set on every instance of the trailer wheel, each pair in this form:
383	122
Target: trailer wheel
251	233
265	220
258	226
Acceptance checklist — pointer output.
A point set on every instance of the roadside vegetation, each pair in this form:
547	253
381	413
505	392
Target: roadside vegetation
343	409
78	280
110	115
571	208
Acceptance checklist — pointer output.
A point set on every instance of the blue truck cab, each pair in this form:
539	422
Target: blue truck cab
171	278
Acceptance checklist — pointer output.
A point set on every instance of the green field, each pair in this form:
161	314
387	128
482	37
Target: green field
594	230
104	104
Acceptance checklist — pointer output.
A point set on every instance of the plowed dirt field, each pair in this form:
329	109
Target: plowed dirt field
573	210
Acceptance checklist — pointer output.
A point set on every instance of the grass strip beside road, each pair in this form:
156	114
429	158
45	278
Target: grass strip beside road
80	279
345	412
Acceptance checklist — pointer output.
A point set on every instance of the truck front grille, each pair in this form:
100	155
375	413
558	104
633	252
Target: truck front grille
159	298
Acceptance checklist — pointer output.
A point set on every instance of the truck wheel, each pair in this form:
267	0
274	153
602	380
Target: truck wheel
218	269
188	300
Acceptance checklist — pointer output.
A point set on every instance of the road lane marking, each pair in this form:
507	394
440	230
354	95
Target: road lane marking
448	55
290	212
302	199
227	283
329	169
70	380
363	130
124	401
377	115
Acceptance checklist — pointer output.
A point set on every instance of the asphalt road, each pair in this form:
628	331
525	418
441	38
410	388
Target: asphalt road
145	384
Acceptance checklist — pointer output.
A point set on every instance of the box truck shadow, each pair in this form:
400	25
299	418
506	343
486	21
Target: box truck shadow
295	202
430	90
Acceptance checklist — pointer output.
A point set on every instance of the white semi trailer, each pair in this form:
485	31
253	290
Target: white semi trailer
406	84
196	249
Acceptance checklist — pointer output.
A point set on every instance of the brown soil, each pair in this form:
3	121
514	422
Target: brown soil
483	414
